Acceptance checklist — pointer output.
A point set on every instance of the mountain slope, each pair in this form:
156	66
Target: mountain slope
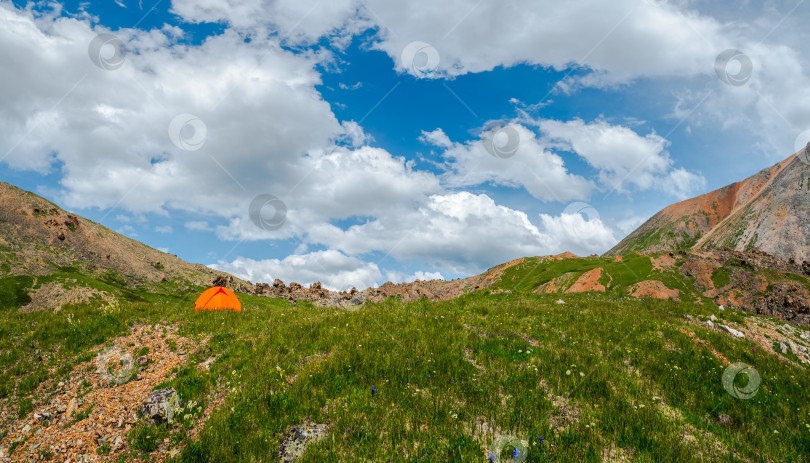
767	211
60	255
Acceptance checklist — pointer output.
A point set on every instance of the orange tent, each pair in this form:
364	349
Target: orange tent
218	298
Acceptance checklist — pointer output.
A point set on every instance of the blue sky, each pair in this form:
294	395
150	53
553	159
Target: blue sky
369	121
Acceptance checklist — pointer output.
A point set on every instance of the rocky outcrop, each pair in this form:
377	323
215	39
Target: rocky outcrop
432	289
788	301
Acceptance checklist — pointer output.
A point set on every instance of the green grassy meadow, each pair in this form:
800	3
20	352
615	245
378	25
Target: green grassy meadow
597	378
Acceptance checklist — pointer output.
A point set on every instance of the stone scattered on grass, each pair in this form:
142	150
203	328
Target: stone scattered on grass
298	438
162	405
731	331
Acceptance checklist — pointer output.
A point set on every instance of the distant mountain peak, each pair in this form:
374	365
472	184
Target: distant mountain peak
769	212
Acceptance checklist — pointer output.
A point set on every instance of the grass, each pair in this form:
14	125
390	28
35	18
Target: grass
721	277
626	371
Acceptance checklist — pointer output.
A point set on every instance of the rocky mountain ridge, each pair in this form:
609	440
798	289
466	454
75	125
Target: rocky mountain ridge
767	211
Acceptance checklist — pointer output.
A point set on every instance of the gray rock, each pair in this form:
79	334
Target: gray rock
788	344
298	438
26	429
732	331
142	360
162	405
783	347
710	324
713	318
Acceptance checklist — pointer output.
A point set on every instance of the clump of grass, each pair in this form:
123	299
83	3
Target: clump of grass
147	437
24	407
84	414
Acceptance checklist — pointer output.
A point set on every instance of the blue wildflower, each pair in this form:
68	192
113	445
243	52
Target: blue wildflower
373	391
540	440
515	453
491	457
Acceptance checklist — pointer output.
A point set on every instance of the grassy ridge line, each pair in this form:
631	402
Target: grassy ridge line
431	402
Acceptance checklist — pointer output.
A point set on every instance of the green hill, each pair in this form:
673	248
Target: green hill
599	377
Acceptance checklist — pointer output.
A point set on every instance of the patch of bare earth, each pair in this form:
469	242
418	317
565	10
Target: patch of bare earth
663	262
614	453
98	405
495	273
530	340
468	357
654	289
708	344
54	294
564	414
557	284
588	281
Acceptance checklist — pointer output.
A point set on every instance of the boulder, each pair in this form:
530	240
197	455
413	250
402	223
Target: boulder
162	405
223	281
732	331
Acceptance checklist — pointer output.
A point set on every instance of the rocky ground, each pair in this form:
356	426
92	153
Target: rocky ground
792	345
88	417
